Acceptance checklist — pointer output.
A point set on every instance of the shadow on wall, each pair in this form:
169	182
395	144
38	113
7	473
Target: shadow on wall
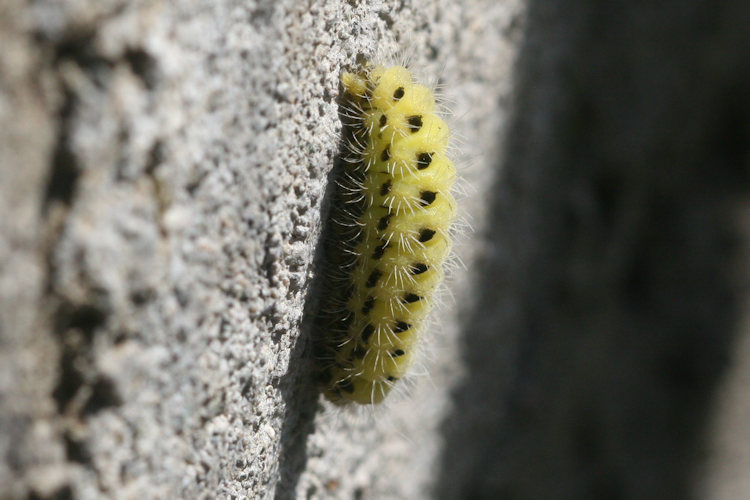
299	387
608	303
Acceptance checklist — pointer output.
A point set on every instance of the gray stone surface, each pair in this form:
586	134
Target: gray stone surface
163	170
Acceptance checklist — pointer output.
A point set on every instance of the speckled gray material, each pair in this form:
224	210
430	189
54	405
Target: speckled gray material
165	165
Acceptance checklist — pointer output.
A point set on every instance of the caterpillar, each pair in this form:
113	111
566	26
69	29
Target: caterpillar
390	234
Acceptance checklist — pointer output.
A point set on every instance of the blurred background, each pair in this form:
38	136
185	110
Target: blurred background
615	285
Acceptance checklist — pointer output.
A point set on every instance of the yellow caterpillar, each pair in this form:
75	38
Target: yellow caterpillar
392	214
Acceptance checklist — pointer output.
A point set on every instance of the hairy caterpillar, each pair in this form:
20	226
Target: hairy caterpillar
391	216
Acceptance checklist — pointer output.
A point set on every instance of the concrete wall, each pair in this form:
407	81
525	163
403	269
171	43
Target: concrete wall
164	168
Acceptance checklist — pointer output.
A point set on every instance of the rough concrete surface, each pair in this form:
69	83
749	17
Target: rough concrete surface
164	173
164	168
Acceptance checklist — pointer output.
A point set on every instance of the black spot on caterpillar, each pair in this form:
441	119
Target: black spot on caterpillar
411	297
379	250
383	222
419	268
369	304
373	278
346	386
424	160
426	235
367	332
386	154
401	326
427	197
415	123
